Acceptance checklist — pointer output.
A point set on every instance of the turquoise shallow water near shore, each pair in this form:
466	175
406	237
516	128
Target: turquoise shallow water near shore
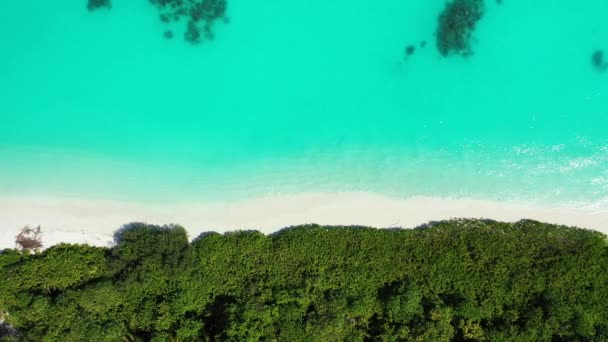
304	96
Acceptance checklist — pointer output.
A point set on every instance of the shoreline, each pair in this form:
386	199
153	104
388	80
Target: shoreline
94	221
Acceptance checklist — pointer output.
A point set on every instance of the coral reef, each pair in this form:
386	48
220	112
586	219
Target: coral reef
597	59
200	16
409	50
456	24
95	4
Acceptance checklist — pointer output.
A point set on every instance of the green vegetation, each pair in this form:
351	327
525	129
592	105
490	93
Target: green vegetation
463	280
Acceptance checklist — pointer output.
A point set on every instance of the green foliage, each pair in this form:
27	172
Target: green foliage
465	280
60	267
147	261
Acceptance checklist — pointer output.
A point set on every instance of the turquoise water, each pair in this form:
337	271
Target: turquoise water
303	96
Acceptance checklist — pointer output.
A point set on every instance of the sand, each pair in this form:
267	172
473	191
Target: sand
94	221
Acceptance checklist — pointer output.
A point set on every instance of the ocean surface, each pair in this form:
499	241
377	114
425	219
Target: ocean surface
304	96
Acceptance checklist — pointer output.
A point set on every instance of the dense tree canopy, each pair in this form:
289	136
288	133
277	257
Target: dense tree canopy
464	280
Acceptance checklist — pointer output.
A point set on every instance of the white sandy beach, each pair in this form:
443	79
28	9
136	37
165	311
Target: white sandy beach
94	221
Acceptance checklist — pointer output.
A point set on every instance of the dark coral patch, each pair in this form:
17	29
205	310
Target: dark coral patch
165	18
456	24
199	14
409	50
95	4
193	33
168	34
597	59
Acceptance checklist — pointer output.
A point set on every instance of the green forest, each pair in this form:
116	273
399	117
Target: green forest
458	280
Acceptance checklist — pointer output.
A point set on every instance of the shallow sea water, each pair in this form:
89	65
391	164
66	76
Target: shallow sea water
303	96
